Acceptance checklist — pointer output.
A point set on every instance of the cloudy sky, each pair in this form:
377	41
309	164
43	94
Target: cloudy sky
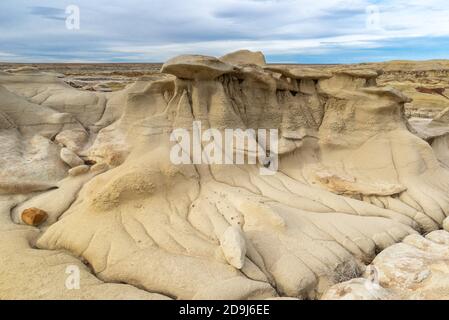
303	31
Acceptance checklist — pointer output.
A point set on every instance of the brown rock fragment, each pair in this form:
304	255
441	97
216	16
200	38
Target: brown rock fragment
34	216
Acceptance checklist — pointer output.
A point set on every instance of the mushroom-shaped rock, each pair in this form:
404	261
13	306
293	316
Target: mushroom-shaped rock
244	57
234	247
71	158
300	72
34	216
196	67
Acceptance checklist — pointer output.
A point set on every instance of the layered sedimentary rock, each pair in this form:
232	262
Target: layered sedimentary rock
353	180
426	82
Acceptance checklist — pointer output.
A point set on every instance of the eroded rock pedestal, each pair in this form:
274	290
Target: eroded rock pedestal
352	181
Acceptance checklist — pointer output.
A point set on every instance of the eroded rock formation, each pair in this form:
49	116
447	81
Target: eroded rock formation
353	180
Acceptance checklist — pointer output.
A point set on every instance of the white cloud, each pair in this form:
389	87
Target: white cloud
6	54
270	47
157	29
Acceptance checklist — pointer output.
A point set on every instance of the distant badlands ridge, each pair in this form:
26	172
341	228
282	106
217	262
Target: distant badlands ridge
415	78
356	210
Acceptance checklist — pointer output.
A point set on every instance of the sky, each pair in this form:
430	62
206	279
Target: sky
288	31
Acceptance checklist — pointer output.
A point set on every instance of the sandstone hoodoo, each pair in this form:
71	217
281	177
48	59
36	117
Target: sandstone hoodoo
358	174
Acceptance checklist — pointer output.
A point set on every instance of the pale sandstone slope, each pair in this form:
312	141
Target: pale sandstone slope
353	179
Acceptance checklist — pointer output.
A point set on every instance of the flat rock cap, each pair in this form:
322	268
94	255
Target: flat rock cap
388	91
244	57
359	73
300	72
196	67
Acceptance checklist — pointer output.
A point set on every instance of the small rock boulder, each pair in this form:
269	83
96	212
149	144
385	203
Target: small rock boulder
34	216
71	158
234	247
72	139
